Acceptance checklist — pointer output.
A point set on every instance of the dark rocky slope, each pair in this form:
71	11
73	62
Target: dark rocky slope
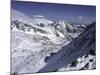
82	45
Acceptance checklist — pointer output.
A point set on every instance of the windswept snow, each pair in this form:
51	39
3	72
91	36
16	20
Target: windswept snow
35	38
39	19
18	15
81	64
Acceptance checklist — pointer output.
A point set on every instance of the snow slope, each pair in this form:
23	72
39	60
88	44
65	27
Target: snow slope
82	49
34	39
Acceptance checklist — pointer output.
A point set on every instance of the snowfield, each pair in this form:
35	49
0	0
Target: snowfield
34	39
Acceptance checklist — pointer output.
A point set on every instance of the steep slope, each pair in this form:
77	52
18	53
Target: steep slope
53	31
32	44
37	38
80	46
18	15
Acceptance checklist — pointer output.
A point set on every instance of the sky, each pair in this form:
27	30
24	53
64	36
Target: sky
75	13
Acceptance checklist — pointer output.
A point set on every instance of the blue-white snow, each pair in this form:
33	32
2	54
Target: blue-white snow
34	39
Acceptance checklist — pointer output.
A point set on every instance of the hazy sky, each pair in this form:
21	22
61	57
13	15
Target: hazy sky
74	13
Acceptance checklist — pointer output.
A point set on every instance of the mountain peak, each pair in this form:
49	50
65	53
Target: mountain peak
38	16
39	19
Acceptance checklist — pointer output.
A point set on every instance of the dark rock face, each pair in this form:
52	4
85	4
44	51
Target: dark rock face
82	45
91	60
92	52
49	57
74	63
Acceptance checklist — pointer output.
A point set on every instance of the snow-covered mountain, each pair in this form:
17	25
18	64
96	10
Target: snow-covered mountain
18	15
88	60
35	38
79	54
53	32
41	20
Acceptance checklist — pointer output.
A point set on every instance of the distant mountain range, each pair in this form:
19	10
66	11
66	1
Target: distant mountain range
34	39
